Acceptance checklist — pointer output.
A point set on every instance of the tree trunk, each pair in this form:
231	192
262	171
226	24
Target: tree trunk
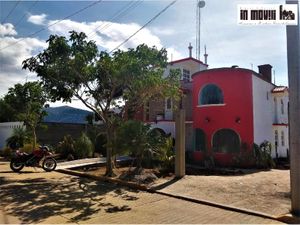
109	156
139	168
33	138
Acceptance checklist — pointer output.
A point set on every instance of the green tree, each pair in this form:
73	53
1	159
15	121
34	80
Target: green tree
26	103
7	113
75	68
137	139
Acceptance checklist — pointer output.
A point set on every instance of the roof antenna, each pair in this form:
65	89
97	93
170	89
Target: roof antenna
274	77
251	66
190	50
205	55
200	5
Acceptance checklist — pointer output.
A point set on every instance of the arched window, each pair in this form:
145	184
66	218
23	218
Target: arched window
211	94
227	141
199	140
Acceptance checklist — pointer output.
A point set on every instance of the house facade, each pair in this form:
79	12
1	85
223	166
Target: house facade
227	111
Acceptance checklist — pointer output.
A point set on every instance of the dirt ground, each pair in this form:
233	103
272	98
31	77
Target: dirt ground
263	191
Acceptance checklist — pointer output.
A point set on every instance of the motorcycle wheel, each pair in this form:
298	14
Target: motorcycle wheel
49	164
16	166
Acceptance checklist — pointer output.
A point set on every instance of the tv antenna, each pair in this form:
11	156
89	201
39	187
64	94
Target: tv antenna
200	4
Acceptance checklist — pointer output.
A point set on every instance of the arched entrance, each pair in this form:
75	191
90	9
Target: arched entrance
226	141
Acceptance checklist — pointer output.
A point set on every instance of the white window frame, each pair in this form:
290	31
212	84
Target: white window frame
186	74
282	138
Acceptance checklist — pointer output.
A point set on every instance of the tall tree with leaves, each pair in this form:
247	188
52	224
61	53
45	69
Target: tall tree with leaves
26	102
75	68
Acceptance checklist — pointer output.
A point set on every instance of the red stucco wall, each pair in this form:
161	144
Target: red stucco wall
236	85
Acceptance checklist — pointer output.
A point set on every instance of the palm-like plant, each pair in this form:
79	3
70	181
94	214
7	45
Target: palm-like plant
18	139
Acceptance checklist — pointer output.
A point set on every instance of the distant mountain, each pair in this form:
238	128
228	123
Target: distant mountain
66	114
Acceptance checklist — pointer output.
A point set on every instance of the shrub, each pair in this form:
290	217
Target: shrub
66	147
19	137
137	139
100	144
83	147
166	155
6	152
263	155
28	148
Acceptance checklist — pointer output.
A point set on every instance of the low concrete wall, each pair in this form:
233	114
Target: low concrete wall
53	133
6	130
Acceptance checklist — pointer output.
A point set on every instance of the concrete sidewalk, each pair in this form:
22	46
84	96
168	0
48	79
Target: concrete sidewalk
35	196
88	161
80	162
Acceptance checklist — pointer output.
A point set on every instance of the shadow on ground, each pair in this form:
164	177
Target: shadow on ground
77	199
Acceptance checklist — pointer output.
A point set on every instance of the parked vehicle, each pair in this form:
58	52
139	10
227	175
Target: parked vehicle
40	157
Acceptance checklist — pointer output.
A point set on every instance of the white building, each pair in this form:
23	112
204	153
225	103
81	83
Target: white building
280	96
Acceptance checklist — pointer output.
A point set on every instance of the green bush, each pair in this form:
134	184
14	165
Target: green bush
263	155
166	155
66	148
146	145
28	147
100	144
19	137
84	147
6	152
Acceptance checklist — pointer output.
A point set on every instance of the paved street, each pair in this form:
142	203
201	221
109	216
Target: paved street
35	196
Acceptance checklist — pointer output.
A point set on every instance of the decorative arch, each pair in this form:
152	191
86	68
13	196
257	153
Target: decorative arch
210	94
226	141
160	131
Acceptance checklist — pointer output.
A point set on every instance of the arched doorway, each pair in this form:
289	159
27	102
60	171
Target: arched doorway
226	141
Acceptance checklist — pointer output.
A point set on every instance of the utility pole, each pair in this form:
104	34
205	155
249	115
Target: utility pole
293	59
180	143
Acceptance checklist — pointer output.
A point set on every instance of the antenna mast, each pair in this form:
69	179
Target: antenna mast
200	4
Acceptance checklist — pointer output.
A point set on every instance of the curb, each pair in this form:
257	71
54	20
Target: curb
285	218
289	218
107	179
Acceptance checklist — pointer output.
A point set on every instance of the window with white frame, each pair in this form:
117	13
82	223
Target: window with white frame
282	107
186	75
168	103
276	137
282	138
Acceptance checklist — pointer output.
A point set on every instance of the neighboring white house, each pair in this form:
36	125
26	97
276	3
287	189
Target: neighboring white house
6	130
280	96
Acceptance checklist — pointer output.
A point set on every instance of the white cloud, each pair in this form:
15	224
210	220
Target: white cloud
174	54
7	29
163	31
11	59
37	19
108	35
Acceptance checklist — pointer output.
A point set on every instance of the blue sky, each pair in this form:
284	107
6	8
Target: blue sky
227	43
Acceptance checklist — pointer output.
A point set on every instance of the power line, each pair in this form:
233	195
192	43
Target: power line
31	7
146	24
67	17
120	14
111	19
19	21
10	12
